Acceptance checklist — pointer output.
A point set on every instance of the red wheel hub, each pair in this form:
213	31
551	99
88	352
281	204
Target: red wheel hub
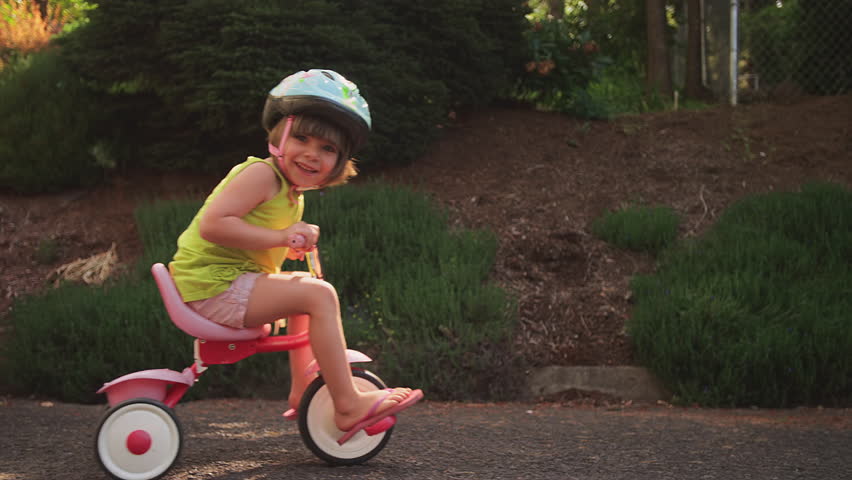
138	442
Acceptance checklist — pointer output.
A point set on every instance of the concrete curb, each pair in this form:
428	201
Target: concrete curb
625	382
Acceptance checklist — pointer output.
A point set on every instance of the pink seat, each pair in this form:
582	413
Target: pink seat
191	322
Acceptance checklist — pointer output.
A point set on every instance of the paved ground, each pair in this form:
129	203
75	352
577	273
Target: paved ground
244	439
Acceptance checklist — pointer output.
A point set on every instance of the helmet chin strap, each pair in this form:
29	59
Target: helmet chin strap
278	154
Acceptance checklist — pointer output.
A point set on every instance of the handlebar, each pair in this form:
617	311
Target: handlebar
297	241
311	256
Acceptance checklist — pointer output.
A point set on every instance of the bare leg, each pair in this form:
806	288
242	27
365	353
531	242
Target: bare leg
276	296
300	358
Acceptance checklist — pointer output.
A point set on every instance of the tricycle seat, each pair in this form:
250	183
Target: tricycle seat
193	323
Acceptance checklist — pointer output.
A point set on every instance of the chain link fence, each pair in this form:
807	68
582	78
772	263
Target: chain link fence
784	49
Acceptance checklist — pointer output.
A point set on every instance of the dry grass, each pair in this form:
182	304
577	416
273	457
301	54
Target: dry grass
91	271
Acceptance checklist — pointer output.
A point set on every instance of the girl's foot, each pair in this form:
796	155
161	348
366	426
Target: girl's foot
293	402
297	389
366	405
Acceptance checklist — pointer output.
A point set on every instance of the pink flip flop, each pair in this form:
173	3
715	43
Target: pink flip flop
382	425
292	414
374	423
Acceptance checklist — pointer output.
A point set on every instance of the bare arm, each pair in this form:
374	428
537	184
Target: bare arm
222	222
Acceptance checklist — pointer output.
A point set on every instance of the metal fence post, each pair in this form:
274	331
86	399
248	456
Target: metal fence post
734	55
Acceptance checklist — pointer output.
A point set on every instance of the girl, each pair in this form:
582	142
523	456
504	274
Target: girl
227	266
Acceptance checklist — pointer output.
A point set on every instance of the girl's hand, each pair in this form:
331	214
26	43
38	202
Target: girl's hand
296	241
300	237
296	254
296	244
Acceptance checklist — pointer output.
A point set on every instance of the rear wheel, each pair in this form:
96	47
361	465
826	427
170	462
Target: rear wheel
316	424
138	439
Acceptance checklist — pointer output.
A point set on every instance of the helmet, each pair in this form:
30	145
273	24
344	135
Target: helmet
323	93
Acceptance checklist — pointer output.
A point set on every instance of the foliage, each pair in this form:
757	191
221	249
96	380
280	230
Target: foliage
415	296
617	27
25	29
475	47
192	76
126	312
76	12
561	62
770	34
589	62
756	312
639	228
618	91
46	144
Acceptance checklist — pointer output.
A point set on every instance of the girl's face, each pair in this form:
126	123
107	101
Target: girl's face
308	160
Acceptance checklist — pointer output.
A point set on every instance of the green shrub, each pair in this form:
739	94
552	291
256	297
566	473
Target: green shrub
66	339
160	223
45	115
619	90
756	312
771	38
186	80
415	296
562	60
638	228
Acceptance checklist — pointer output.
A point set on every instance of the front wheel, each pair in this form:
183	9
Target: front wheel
138	439
316	424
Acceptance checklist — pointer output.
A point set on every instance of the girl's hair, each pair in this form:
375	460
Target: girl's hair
319	127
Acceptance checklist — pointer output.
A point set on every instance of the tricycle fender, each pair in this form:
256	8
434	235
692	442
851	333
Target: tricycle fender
152	384
352	356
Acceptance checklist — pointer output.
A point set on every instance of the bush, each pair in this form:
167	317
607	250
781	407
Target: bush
563	60
638	228
756	312
415	296
186	81
65	339
770	34
45	117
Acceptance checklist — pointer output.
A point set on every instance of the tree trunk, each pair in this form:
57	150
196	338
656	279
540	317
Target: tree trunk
694	88
658	76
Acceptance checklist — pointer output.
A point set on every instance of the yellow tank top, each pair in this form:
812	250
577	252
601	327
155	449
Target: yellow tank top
203	269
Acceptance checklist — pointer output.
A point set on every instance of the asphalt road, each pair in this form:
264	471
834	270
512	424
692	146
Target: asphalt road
248	440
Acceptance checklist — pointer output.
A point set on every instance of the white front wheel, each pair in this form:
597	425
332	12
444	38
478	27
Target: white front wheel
138	439
316	424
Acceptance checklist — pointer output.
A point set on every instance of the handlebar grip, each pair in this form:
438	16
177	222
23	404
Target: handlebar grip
296	241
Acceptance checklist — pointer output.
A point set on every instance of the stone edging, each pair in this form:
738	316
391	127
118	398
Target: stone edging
625	382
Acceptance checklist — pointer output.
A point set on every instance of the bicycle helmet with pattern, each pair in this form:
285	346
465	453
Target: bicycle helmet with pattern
323	93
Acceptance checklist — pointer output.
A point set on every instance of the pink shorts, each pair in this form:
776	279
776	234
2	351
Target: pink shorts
229	307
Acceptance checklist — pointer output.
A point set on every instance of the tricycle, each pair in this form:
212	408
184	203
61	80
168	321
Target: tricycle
140	438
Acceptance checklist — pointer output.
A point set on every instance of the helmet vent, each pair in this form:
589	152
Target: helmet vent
330	76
